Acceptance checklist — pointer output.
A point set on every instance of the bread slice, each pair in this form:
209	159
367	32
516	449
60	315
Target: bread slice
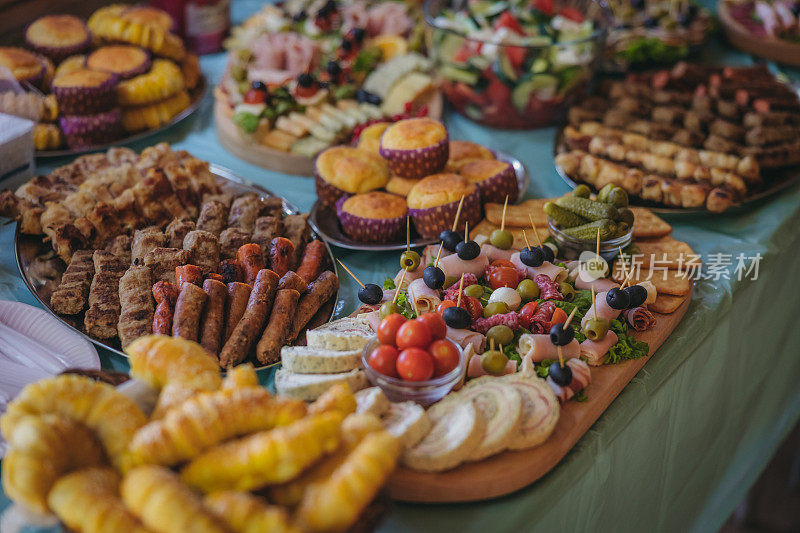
372	400
308	360
343	334
309	387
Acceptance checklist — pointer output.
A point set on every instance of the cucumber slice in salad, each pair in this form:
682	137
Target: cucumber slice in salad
538	83
449	45
479	62
487	8
451	72
504	70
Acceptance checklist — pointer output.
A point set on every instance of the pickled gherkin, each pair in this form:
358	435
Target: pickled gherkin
563	217
588	232
588	209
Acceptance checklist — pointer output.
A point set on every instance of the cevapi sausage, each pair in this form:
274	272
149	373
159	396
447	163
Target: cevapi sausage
311	265
238	294
213	275
251	260
274	337
280	255
319	292
214	316
291	280
188	274
165	294
231	271
188	310
252	323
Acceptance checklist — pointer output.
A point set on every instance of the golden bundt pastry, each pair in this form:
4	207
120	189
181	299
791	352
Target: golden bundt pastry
337	398
245	513
354	428
243	375
162	81
47	137
268	457
88	500
190	67
113	417
43	448
335	503
156	495
116	23
209	418
151	116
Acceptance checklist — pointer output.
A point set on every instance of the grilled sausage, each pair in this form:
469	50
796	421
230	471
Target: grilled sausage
274	337
291	280
213	316
266	229
311	265
204	249
280	255
188	309
231	271
230	240
162	262
177	230
145	240
252	262
238	294
297	231
70	296
136	304
213	216
213	275
188	274
252	323
244	211
165	295
319	292
102	316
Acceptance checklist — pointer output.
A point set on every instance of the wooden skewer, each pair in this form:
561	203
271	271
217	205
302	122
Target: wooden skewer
598	243
627	279
594	303
535	231
460	291
569	318
438	254
623	264
348	271
503	219
397	291
414	305
526	239
466	230
560	357
458	212
408	233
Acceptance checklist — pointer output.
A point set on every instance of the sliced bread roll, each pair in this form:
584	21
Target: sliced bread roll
343	334
309	387
307	360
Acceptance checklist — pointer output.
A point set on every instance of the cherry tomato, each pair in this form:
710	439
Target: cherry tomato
507	20
526	313
387	330
413	334
559	317
254	96
383	359
503	277
473	305
545	6
306	92
516	55
445	357
414	364
435	324
444	305
571	13
502	263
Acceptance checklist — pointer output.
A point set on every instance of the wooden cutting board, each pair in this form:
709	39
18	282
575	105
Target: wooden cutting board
511	471
780	50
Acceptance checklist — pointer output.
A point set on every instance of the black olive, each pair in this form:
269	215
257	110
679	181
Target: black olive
359	34
637	4
636	295
433	277
374	99
301	16
347	45
617	299
468	250
456	317
450	239
549	255
651	22
333	69
561	375
370	294
258	86
305	80
561	336
532	257
361	95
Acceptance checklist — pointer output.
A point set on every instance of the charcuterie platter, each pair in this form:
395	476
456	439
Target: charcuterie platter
746	28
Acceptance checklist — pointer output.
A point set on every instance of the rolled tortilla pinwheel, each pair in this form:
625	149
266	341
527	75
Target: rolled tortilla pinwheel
595	351
423	298
539	347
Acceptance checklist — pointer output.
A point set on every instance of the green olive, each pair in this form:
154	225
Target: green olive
582	191
596	329
449	281
409	260
566	290
500	334
475	290
495	308
617	197
602	194
389	308
625	215
528	290
244	86
238	73
501	238
494	362
245	55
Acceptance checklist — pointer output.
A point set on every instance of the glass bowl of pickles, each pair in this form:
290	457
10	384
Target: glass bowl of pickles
576	219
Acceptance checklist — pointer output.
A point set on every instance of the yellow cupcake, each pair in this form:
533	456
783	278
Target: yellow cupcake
373	216
415	147
462	152
370	137
344	169
433	203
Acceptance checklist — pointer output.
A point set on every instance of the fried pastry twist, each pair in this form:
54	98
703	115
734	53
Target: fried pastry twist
245	513
88	500
157	496
335	503
112	416
240	376
42	449
265	458
337	398
209	418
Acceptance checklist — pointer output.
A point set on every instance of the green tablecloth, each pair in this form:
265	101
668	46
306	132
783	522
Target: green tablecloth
680	446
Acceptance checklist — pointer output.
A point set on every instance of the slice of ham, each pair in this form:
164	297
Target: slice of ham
595	351
467	337
640	318
278	57
454	266
600	285
423	298
429	254
581	378
374	319
539	347
388	295
475	370
547	268
411	275
603	310
388	18
493	253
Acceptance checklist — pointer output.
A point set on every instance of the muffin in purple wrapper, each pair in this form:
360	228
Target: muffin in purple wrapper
344	170
123	60
376	216
433	203
82	131
496	179
85	92
23	64
58	36
415	147
463	152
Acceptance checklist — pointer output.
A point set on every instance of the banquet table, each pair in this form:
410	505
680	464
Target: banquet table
683	442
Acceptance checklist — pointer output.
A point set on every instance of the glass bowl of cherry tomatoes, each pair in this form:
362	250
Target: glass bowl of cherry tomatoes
412	360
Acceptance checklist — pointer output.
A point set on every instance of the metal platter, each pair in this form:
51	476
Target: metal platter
323	219
196	96
41	270
775	180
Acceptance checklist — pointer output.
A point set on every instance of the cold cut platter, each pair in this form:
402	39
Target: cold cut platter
216	252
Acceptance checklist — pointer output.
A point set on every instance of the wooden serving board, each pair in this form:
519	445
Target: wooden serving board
266	157
511	471
780	50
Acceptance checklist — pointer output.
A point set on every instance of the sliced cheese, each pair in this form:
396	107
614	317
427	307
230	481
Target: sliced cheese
372	400
342	334
415	87
308	360
407	421
501	407
540	411
309	387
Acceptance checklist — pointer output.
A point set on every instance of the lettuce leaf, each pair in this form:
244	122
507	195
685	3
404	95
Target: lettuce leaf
388	284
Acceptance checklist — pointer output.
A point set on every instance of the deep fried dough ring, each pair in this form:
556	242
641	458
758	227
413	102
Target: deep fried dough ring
164	80
337	398
243	375
245	513
110	24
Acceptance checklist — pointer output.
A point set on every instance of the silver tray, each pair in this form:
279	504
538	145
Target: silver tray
196	96
41	270
323	219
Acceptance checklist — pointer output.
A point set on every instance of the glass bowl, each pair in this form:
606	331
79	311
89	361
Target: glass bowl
570	248
514	86
423	392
